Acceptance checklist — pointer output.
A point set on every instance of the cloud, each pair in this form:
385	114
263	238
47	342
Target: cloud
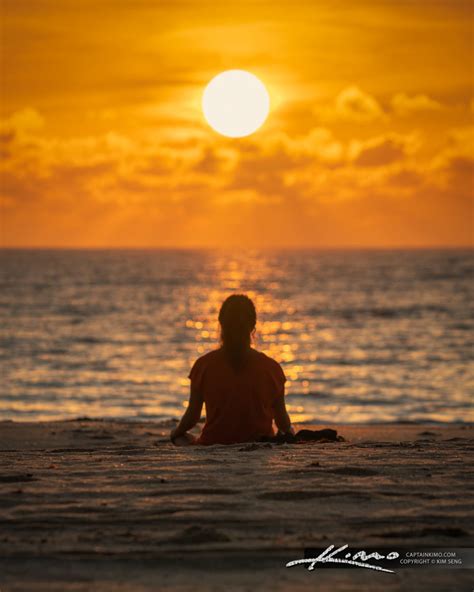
322	144
455	173
210	162
353	104
462	168
404	105
382	150
452	165
265	171
17	130
405	178
22	122
115	188
281	166
461	141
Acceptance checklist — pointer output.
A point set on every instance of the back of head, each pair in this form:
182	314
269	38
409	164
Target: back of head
237	318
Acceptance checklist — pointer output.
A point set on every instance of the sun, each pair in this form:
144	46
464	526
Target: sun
235	103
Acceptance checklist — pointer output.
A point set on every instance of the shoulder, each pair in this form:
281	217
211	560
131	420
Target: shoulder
264	359
201	365
272	365
207	358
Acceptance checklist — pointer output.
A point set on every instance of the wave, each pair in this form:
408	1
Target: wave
416	311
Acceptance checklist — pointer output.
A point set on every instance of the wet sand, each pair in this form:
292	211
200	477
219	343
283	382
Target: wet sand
113	505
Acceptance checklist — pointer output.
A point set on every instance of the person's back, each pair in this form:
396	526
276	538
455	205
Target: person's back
239	402
243	389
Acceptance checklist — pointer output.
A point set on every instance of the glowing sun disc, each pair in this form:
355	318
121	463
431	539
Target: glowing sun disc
235	103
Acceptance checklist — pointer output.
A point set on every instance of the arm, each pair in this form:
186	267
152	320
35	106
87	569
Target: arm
191	416
282	419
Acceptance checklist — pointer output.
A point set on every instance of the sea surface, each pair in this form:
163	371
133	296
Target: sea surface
363	336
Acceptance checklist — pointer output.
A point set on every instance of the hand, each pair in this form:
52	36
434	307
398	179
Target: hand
290	430
181	439
174	434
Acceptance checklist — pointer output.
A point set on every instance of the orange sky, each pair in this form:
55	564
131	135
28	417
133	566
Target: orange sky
369	141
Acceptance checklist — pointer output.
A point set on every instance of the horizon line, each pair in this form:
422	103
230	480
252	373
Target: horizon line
240	247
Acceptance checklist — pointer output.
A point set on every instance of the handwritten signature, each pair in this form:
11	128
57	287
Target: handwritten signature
358	559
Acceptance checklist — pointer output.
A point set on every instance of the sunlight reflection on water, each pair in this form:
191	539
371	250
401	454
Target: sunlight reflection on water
362	335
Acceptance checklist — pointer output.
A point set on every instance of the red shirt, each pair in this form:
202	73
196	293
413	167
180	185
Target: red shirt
238	404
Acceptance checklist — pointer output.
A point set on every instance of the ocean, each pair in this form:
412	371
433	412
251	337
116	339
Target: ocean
362	335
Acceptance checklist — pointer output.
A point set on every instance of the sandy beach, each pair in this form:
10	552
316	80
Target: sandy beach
113	505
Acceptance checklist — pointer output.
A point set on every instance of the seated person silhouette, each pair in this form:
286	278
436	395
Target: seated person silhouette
243	389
